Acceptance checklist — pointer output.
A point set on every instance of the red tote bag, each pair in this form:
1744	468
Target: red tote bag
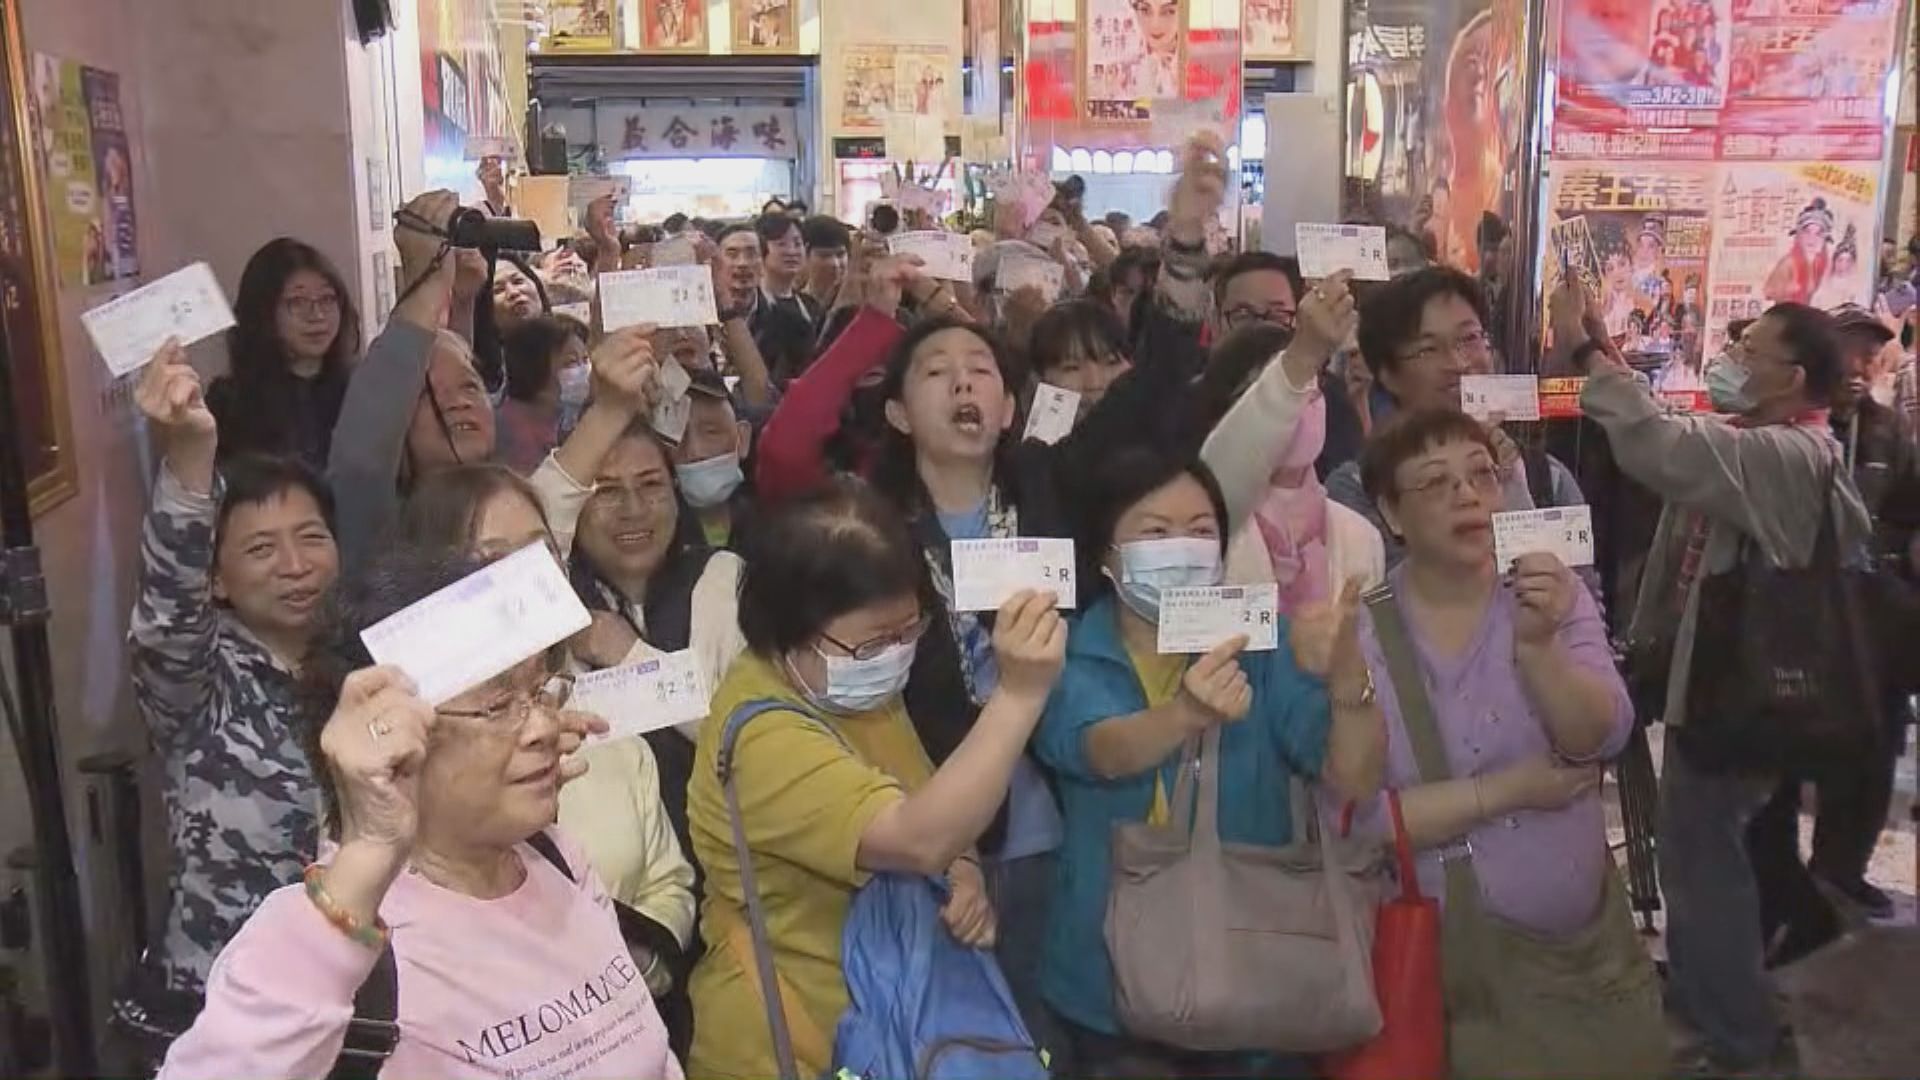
1412	1044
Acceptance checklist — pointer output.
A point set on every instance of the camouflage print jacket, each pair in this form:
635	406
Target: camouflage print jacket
242	808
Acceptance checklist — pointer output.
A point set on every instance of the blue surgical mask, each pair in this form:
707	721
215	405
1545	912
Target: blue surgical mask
859	685
1149	568
709	483
1727	387
575	382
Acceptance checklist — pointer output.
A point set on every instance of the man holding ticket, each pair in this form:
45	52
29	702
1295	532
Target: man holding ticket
1115	729
1423	336
1766	478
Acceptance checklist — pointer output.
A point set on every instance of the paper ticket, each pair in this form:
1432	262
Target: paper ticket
1045	234
1510	397
1325	250
481	625
1053	413
663	691
675	408
582	191
986	573
1019	270
666	296
944	255
186	304
581	312
1564	531
1196	620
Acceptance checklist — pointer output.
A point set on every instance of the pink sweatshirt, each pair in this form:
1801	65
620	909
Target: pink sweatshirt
537	985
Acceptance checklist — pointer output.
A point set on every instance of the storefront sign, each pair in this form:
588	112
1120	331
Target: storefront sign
627	132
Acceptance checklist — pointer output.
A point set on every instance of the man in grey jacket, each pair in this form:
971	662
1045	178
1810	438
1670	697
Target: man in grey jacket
1760	474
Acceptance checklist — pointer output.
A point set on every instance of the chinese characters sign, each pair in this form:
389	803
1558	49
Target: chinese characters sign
1727	154
89	171
697	131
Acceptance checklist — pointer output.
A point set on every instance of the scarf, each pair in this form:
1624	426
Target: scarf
1292	519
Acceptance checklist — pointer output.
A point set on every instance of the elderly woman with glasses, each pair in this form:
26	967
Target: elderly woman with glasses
490	938
1502	703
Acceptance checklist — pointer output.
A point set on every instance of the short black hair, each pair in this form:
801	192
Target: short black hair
773	227
1406	436
530	348
1084	327
736	229
826	233
1737	329
1390	317
1113	484
1253	262
815	558
1810	338
798	206
1233	362
253	479
674	223
895	473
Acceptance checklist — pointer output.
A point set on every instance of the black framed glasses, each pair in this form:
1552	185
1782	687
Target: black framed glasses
867	650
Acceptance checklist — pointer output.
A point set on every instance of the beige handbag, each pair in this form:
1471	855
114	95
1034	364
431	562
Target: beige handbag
1238	946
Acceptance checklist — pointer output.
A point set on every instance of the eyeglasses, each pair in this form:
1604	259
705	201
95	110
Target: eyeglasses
311	307
1240	315
647	494
512	714
1484	480
867	650
1473	343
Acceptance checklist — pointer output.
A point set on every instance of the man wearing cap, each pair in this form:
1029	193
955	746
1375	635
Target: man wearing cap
1854	799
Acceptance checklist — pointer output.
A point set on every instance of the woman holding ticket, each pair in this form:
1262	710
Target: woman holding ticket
1503	702
442	891
832	783
1131	699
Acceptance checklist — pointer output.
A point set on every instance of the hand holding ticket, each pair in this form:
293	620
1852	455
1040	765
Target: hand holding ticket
944	255
987	573
667	296
1509	397
1325	250
1197	620
186	304
1565	532
480	626
664	691
1052	415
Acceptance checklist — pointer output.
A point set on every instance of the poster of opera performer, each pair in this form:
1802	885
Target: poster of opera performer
673	25
1131	51
1790	232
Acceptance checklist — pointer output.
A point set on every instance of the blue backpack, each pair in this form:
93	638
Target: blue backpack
922	1006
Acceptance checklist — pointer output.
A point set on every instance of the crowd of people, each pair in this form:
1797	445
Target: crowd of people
365	883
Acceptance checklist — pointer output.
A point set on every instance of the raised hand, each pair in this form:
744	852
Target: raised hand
626	373
170	396
1214	690
1328	317
1326	637
1543	593
1030	643
1201	189
374	745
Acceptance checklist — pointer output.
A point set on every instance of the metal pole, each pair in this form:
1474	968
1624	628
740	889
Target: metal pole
1524	298
56	886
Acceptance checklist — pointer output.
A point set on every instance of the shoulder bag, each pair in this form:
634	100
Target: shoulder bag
1520	1004
1224	947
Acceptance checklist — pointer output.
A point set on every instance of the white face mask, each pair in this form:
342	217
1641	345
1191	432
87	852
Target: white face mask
711	482
1149	568
859	685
